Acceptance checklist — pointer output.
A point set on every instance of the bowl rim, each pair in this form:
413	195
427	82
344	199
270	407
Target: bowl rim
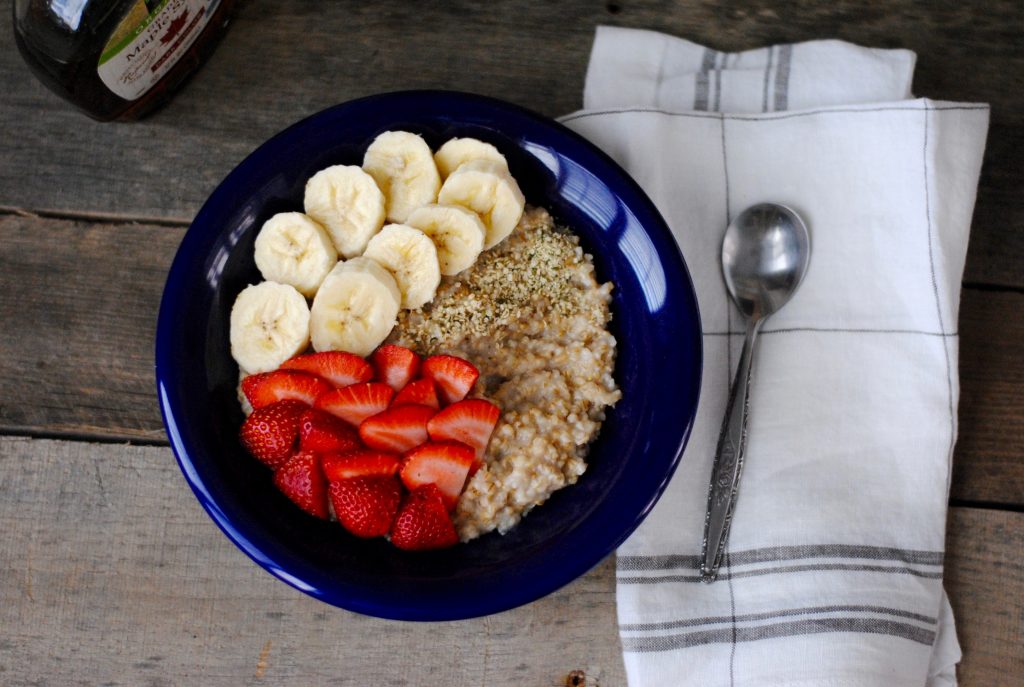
511	597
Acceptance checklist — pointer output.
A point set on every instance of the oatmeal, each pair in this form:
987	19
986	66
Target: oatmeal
533	318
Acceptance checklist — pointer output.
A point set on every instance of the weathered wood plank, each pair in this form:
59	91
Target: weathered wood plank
110	571
78	302
533	54
987	465
81	299
985	583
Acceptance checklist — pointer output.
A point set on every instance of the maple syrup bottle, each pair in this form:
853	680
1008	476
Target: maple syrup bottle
117	59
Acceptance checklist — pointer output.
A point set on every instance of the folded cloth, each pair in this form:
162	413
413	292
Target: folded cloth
833	571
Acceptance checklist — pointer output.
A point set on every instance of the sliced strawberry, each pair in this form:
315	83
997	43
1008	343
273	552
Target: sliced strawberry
271	433
421	392
366	506
360	463
453	376
301	480
470	421
443	464
355	403
396	365
282	385
423	522
321	432
399	428
337	367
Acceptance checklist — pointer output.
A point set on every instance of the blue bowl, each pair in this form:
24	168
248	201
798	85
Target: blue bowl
655	321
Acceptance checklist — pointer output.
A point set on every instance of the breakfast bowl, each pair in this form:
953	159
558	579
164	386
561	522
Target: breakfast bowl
657	368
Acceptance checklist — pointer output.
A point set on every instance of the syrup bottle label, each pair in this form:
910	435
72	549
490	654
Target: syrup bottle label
149	41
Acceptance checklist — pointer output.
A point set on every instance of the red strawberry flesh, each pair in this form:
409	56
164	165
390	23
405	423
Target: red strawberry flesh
301	480
453	376
360	463
423	522
470	421
338	367
420	392
446	465
396	366
398	428
271	433
283	385
366	506
321	432
355	403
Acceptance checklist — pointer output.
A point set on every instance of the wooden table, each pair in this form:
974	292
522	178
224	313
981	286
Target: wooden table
111	573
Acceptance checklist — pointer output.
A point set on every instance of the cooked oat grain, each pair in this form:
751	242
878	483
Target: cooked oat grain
532	317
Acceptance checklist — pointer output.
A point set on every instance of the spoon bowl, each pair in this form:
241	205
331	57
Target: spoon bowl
764	258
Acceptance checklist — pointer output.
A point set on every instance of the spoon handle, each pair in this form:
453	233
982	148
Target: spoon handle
725	475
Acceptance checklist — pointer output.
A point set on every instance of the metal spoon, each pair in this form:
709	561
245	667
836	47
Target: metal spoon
764	258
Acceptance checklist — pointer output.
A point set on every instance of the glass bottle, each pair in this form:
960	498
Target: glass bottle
117	59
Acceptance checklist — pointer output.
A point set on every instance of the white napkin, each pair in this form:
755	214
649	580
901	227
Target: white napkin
833	571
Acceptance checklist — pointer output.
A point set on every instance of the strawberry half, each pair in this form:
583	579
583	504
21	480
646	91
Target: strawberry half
396	365
355	403
301	480
444	464
420	392
361	463
283	385
366	506
399	428
337	367
271	433
423	522
453	376
470	421
321	432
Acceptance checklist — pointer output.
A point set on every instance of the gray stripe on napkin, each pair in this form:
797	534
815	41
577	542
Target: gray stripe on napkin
701	91
787	553
767	78
771	615
802	627
819	567
782	78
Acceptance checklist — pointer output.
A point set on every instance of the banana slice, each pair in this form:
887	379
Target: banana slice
457	233
293	249
411	257
458	150
347	201
355	308
488	190
403	167
269	324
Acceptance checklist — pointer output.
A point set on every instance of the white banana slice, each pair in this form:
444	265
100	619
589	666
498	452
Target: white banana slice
458	150
269	324
403	167
411	257
488	190
243	401
355	309
457	233
347	201
293	249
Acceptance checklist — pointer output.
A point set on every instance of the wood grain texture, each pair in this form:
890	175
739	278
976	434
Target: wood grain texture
988	464
78	303
83	299
533	54
111	573
985	583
